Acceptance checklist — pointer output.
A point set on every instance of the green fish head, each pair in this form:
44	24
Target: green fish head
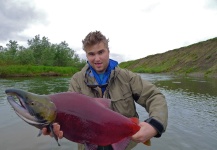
37	110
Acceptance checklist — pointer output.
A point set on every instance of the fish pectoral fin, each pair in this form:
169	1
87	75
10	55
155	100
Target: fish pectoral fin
51	130
40	133
54	135
89	146
122	144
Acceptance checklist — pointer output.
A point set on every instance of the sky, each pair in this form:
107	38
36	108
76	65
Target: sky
135	28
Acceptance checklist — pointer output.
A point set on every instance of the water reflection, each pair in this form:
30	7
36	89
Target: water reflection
206	86
39	85
192	106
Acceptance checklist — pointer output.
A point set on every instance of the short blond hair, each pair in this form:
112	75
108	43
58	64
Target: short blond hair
94	38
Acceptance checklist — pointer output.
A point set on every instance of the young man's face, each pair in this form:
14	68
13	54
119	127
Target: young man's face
98	57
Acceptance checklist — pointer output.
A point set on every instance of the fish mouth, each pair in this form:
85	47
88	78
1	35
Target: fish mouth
18	101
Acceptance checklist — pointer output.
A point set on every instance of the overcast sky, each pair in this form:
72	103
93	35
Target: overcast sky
135	28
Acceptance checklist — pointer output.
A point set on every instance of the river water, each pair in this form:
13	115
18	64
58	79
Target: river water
192	124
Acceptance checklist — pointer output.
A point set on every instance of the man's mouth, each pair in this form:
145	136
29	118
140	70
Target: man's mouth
98	64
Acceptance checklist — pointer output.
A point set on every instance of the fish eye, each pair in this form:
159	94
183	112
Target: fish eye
32	103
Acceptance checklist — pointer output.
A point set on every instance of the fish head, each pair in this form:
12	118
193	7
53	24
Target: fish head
36	110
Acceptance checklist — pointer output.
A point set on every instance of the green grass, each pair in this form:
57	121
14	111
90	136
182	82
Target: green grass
148	70
126	64
196	58
28	70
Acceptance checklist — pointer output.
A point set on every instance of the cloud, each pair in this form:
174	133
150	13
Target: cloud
136	29
211	4
16	16
118	57
151	7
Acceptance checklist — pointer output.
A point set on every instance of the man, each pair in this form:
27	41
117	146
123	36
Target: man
101	77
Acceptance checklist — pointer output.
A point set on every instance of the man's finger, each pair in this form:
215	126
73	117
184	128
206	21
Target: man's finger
60	135
44	131
56	128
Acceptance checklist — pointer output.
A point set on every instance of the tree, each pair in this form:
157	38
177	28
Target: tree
64	54
38	46
25	56
47	57
10	53
39	52
12	47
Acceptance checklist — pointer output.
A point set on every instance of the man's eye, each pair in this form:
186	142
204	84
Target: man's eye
91	54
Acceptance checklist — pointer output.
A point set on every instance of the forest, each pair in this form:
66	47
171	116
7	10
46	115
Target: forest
39	52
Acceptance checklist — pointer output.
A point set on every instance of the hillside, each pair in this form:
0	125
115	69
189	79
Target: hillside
196	59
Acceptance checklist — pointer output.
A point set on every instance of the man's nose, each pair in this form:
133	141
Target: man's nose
97	57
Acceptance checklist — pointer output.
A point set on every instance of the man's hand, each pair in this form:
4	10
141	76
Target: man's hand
145	133
56	129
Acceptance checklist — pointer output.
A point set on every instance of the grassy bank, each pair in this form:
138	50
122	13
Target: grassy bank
198	59
27	70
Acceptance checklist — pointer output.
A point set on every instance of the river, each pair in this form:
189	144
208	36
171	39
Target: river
192	104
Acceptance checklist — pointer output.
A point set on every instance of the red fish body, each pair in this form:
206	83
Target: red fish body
82	119
90	121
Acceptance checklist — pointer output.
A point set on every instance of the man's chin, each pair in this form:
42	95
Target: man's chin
99	70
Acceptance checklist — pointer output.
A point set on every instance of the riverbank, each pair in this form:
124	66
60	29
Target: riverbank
197	60
30	71
196	75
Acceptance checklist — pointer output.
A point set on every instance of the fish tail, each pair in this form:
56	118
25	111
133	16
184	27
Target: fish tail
136	121
147	143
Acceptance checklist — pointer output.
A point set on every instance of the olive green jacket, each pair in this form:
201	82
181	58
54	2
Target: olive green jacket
124	89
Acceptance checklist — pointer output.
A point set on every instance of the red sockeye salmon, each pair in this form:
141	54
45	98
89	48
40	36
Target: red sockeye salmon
83	119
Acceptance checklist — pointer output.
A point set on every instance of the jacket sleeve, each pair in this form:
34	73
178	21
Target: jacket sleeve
149	96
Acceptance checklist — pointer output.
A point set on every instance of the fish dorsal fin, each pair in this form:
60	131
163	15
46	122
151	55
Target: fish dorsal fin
104	102
122	144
